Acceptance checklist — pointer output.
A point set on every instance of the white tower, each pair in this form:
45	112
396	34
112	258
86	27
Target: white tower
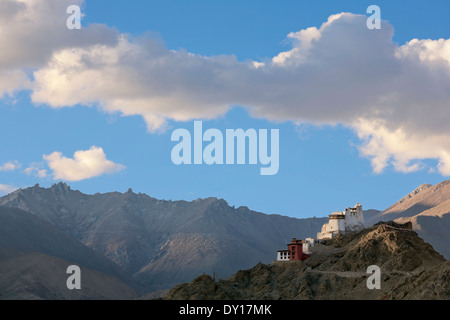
354	218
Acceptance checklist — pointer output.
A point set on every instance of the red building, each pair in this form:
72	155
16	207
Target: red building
296	250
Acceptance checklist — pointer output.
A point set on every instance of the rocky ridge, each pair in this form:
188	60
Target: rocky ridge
410	269
159	243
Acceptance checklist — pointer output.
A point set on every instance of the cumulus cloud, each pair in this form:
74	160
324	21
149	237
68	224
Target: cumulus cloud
36	169
12	81
394	96
85	164
32	31
139	77
10	166
332	73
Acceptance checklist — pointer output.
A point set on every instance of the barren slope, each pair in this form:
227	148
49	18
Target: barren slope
410	269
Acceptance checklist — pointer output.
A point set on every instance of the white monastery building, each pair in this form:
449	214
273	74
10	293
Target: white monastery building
351	219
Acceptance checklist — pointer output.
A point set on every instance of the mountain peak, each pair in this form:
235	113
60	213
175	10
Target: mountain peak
422	187
60	186
419	190
216	201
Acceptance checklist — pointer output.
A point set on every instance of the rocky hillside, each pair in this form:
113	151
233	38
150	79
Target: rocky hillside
37	276
428	209
161	243
150	244
410	269
34	256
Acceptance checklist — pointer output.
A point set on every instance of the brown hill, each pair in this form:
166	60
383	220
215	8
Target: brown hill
22	233
34	256
410	269
37	276
428	209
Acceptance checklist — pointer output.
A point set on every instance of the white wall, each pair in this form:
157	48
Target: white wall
305	247
336	225
282	256
354	221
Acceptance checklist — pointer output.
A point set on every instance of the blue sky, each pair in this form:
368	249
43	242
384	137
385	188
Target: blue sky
331	155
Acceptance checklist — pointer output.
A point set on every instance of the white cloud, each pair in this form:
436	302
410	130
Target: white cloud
394	96
6	189
138	78
36	169
405	151
10	166
85	164
32	31
12	81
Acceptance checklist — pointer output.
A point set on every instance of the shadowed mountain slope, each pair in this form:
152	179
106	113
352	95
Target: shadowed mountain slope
163	243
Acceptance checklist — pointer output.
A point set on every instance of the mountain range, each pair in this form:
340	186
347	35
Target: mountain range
146	244
156	243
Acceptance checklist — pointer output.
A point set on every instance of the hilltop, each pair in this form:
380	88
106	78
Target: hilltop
410	269
428	209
